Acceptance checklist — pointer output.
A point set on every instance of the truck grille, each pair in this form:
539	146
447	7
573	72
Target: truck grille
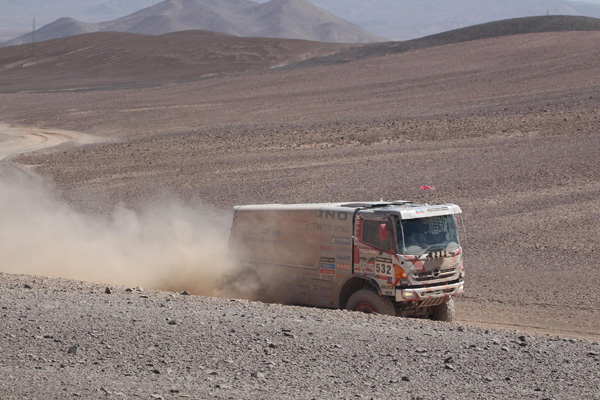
434	275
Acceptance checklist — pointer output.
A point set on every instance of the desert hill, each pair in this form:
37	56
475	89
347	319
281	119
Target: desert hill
516	26
409	19
294	19
119	59
507	127
115	59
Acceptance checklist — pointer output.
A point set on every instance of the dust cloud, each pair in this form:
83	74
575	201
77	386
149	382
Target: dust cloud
167	246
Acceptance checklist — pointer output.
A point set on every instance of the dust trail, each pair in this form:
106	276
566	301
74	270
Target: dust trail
167	246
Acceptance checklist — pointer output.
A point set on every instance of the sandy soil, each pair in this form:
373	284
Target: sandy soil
508	128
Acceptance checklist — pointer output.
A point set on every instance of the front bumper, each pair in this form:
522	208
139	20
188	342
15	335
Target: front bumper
424	293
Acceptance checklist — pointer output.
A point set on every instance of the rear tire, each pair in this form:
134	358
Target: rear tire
368	301
444	312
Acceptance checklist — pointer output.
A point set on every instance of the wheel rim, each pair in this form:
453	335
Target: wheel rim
366	308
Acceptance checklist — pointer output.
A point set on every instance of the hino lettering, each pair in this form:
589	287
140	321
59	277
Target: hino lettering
400	258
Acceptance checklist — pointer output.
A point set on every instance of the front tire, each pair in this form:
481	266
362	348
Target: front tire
444	312
368	301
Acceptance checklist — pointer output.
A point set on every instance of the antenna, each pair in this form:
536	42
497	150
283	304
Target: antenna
33	32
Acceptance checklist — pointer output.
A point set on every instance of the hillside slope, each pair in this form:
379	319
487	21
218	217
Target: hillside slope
409	19
507	127
516	26
115	59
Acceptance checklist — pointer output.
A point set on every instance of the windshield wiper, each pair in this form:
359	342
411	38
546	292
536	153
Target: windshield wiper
424	251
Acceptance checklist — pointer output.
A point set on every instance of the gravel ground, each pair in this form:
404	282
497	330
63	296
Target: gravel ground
68	339
505	127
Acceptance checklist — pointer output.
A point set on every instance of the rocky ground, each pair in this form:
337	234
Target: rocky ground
68	339
505	127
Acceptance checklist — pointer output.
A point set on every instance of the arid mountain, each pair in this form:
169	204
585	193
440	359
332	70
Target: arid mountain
293	19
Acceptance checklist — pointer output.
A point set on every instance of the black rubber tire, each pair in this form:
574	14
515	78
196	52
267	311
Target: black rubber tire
368	301
444	312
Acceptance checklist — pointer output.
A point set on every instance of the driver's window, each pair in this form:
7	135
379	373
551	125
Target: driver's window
371	234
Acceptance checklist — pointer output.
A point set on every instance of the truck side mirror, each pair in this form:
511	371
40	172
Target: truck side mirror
384	232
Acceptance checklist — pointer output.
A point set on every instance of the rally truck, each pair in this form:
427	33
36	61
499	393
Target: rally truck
395	258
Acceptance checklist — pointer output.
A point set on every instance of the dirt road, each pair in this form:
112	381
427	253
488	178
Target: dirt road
16	140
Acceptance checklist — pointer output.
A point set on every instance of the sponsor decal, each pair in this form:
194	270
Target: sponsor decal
420	211
343	258
326	271
301	225
371	263
339	215
383	259
341	250
346	267
344	240
382	277
370	251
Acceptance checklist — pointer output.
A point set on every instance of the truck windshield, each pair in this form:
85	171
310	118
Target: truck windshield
428	234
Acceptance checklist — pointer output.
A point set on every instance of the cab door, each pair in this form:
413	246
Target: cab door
375	248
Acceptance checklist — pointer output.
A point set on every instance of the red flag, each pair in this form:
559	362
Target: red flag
427	188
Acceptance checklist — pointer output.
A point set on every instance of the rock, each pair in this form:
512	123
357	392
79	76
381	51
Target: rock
222	386
27	286
405	379
155	371
139	289
107	290
505	348
450	367
185	293
421	350
449	360
73	350
257	375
